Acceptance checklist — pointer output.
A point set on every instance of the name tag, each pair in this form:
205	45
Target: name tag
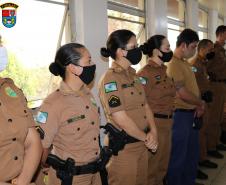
76	118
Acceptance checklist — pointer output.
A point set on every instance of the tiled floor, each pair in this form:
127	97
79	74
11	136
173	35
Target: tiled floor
216	176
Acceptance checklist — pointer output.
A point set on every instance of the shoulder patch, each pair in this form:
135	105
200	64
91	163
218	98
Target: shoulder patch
143	80
41	117
10	92
194	69
110	87
158	77
114	101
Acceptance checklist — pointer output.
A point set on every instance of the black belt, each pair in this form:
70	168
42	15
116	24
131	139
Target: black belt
89	168
184	110
130	139
163	116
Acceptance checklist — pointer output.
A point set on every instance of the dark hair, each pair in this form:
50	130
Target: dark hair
65	55
187	36
117	39
220	29
152	43
203	44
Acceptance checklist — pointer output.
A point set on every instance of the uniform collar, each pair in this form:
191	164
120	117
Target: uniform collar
116	67
66	90
153	64
174	58
5	80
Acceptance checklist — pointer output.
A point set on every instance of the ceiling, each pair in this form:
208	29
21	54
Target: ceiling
219	5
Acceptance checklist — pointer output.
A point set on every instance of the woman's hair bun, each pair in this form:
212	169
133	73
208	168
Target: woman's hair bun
145	48
105	52
54	68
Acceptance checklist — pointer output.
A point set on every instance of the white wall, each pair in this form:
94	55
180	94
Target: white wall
212	24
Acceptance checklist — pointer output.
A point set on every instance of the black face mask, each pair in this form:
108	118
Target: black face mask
210	55
88	74
134	55
166	56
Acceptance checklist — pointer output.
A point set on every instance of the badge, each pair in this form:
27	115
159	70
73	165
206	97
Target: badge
41	117
194	69
158	77
143	80
76	118
10	92
110	87
114	101
93	101
9	14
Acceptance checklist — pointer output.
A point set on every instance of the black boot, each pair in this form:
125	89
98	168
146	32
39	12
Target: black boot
221	147
201	175
208	164
215	154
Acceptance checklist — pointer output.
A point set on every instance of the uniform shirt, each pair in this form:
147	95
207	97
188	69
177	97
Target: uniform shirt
217	66
181	72
159	89
200	70
121	90
15	120
70	122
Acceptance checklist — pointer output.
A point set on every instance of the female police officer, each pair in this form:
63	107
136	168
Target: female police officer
160	92
126	107
69	117
20	147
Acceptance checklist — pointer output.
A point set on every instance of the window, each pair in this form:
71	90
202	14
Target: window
138	4
176	20
41	28
202	23
122	15
220	20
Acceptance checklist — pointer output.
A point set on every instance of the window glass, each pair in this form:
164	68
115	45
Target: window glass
173	32
139	4
202	35
31	46
203	19
176	10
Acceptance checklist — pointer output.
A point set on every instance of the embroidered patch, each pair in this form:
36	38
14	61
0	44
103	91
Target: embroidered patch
110	87
114	101
158	77
10	92
93	101
41	117
143	80
76	118
194	69
40	131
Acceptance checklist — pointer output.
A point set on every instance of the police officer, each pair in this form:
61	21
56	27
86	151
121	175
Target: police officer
160	92
20	147
204	54
217	72
185	145
69	117
125	105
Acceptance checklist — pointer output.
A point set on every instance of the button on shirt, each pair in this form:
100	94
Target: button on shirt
70	121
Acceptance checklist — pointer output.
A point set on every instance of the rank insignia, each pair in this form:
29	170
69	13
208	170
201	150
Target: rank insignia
110	87
93	101
41	117
10	92
114	101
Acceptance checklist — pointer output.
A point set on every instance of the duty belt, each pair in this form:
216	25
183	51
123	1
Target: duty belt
163	116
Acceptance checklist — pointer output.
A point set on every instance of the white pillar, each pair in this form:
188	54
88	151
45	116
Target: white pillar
156	17
89	25
191	18
212	24
225	20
